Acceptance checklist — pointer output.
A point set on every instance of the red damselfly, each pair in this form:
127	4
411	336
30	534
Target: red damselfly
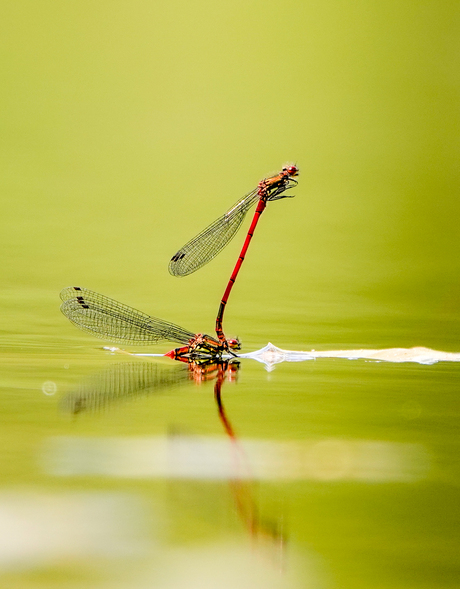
207	244
114	321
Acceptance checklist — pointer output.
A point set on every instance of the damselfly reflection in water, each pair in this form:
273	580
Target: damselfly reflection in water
205	458
123	382
127	381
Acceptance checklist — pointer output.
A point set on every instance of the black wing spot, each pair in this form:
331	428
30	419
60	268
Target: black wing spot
82	302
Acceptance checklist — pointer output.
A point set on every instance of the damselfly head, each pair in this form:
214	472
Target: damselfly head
234	343
291	170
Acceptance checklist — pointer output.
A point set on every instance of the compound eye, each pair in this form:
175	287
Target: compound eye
293	170
234	344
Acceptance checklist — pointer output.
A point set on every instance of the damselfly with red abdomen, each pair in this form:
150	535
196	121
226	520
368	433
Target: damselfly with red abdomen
205	246
114	321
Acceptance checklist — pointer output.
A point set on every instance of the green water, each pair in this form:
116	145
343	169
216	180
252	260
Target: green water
126	129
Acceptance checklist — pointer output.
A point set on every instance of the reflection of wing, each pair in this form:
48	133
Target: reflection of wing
108	319
206	245
122	382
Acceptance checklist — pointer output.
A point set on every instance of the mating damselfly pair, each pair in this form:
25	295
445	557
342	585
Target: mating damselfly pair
110	320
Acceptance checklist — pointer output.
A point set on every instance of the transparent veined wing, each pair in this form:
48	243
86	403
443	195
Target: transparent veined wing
206	245
108	319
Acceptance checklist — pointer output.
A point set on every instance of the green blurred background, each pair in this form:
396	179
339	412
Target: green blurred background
129	126
126	128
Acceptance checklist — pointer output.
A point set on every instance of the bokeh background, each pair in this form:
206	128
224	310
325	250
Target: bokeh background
127	127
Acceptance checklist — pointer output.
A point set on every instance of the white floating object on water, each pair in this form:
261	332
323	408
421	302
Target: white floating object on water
271	355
